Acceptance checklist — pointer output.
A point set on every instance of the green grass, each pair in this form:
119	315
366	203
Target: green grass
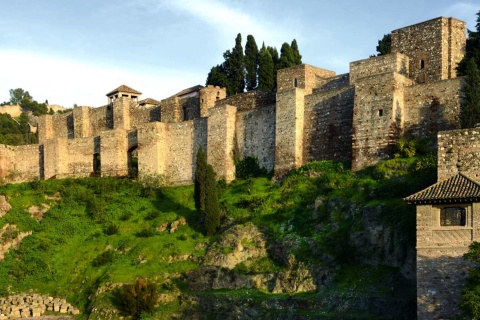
71	254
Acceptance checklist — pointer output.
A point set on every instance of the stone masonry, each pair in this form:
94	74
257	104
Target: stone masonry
314	115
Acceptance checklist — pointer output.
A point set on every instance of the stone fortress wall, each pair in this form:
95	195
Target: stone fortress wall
314	115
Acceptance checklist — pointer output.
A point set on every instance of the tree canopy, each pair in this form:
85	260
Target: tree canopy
470	108
472	49
385	45
255	69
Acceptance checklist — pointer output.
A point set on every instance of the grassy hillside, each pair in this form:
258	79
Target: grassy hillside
100	232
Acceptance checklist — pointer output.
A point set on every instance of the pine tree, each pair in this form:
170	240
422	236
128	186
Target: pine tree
472	49
297	57
251	63
470	108
217	76
266	77
286	56
200	176
212	208
384	45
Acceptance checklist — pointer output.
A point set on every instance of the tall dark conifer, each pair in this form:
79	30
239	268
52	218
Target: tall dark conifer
251	63
276	61
265	70
235	67
470	108
286	56
297	57
199	183
212	208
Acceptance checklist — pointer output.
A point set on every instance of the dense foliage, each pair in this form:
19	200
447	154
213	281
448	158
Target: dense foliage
472	49
471	295
205	193
138	298
470	107
384	45
255	69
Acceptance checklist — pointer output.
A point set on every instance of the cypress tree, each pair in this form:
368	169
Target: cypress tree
265	70
276	61
235	67
297	57
286	56
212	208
199	183
472	49
470	108
205	193
251	63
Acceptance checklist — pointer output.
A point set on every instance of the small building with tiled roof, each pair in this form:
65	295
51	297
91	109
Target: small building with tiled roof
123	91
149	102
447	222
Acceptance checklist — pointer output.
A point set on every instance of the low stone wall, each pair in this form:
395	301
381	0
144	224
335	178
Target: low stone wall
33	305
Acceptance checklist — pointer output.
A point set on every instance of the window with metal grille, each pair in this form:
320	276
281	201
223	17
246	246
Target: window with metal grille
453	216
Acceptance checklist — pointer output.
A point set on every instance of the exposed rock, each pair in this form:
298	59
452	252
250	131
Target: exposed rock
236	245
55	197
379	244
4	206
177	223
10	237
37	212
162	227
33	305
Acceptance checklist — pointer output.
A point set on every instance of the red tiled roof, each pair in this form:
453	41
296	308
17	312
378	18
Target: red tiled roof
123	88
457	188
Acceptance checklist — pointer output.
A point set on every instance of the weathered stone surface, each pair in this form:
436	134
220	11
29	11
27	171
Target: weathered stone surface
4	206
236	245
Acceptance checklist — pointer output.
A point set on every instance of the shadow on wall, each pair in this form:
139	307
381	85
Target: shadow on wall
440	282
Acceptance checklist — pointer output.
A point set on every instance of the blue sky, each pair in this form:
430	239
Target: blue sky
72	51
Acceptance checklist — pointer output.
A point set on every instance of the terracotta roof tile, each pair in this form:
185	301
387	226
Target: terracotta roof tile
454	189
123	88
149	101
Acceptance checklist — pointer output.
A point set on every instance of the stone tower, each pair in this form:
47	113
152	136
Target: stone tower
434	47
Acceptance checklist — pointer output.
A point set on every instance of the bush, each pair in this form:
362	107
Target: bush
137	298
103	258
111	229
152	215
248	167
146	233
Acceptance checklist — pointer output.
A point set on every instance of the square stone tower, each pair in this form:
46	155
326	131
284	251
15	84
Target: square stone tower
434	47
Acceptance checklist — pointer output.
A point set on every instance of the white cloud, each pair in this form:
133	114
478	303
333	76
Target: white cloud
66	82
229	20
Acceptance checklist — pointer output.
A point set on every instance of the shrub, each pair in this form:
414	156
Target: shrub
125	216
152	215
249	167
137	298
146	233
103	258
111	229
